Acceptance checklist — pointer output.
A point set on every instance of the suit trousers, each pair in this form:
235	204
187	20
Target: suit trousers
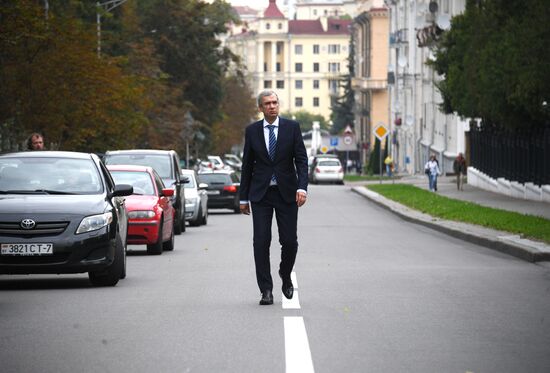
287	221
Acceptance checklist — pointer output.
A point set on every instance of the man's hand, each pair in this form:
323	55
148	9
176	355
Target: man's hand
300	199
245	209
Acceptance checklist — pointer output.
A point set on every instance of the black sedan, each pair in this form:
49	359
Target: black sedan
222	190
60	212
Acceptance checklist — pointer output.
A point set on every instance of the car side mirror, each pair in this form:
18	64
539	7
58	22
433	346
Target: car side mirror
203	186
184	179
167	192
122	190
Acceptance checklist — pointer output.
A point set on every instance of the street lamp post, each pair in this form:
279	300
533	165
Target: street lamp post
108	6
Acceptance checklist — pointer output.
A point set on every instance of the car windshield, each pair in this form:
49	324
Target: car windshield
329	163
49	175
160	163
214	178
140	180
191	183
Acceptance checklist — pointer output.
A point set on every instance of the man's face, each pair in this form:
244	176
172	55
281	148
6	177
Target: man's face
37	143
270	107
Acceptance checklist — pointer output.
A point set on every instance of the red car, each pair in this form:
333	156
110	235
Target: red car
150	211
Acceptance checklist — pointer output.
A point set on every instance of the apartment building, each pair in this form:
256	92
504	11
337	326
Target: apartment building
301	59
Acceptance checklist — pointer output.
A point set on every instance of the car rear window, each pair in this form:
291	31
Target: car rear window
215	178
329	163
141	181
159	162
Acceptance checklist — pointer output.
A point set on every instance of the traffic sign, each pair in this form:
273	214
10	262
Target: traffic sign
380	131
324	149
348	140
334	141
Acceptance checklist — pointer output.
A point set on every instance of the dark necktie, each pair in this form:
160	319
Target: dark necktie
272	143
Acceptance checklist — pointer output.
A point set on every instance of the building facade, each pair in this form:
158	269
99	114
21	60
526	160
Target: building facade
302	59
370	85
419	128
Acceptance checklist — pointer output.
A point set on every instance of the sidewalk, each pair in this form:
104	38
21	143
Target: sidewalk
506	242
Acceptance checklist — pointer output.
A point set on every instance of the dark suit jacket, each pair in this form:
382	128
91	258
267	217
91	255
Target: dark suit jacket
289	165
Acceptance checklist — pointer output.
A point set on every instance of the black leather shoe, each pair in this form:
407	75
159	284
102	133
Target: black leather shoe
267	298
288	288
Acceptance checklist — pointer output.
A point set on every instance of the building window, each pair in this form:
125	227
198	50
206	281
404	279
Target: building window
314	12
316	67
280	84
298	102
333	86
315	48
334	49
316	101
279	47
298	49
278	66
334	67
267	26
265	66
267	83
315	84
280	26
298	84
298	67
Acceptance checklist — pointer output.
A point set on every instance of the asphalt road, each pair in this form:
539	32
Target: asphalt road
374	294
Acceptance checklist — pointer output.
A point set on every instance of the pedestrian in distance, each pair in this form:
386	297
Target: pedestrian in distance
431	168
459	167
273	179
389	165
35	141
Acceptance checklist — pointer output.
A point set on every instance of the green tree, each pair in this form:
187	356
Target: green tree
494	61
342	110
306	119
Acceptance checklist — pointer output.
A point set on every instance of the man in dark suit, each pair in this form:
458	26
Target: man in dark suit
273	178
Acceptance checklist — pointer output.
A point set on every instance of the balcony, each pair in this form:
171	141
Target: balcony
369	84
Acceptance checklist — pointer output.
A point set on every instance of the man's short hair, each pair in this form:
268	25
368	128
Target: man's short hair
31	137
266	93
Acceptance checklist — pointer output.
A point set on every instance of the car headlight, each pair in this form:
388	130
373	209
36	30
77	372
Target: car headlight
94	222
141	214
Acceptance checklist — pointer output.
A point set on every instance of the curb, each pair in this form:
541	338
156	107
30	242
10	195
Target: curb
503	242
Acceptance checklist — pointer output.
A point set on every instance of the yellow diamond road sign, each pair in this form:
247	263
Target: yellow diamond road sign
380	131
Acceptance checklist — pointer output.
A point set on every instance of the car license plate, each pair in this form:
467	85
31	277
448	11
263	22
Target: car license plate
212	192
27	249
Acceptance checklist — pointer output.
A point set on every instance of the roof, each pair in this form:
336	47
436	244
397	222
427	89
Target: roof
139	151
272	11
133	168
48	154
314	27
245	10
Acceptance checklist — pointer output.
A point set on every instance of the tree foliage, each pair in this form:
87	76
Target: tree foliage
494	61
306	119
342	111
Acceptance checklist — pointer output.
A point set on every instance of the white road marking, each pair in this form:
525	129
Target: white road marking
292	304
298	355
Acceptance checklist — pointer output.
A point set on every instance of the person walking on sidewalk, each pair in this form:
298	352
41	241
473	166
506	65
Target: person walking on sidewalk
273	179
459	167
389	165
432	170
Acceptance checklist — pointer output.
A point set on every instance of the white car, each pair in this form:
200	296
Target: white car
328	170
196	199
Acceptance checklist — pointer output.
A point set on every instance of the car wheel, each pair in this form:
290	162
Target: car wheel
169	245
197	221
177	223
113	273
156	248
205	218
123	275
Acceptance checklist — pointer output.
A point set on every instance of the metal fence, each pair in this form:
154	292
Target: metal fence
522	156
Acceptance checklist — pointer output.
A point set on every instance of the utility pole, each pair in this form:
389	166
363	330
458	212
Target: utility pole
107	6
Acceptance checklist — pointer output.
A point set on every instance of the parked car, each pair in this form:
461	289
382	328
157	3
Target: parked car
222	190
327	170
61	212
167	165
196	199
312	162
233	161
150	210
217	163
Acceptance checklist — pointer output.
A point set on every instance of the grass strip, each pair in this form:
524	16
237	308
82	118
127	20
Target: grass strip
368	177
451	209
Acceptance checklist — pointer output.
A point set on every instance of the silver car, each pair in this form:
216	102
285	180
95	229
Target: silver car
196	200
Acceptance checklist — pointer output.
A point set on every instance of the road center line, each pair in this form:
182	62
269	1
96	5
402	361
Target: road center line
297	353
